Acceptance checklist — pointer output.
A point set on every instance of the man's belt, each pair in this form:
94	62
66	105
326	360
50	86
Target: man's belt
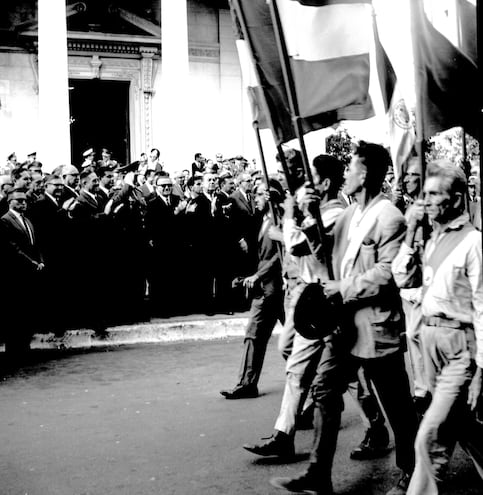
439	321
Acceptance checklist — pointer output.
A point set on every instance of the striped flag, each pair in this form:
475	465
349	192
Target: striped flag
400	122
328	90
447	75
328	42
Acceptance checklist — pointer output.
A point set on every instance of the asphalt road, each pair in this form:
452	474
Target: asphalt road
147	420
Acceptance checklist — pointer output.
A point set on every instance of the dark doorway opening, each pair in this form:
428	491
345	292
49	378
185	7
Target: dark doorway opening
99	113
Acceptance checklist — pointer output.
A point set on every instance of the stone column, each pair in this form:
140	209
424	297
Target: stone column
174	140
54	115
147	54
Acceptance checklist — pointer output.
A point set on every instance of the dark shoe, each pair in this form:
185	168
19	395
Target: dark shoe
302	484
240	392
374	445
279	444
401	486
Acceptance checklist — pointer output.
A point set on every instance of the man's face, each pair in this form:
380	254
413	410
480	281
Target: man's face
24	180
246	184
354	176
71	180
180	179
219	157
37	185
55	188
106	156
229	185
260	198
412	180
210	182
19	204
107	180
438	203
153	156
6	187
197	186
164	188
92	183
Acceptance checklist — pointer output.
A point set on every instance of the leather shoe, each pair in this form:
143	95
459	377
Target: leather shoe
279	444
374	445
240	392
302	484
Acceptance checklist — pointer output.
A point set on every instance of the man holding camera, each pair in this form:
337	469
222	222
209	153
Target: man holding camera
450	277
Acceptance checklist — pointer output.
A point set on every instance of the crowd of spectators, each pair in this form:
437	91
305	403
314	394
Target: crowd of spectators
103	244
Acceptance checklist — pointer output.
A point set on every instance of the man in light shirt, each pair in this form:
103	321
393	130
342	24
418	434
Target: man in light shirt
450	277
367	237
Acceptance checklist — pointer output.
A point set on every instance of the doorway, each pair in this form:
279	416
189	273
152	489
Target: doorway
99	112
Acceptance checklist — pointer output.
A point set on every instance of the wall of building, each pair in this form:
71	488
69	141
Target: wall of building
18	105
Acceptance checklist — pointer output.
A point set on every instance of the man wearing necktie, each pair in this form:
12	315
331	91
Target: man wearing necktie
23	264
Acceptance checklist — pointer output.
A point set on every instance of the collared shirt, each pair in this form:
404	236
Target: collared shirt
455	290
52	199
311	270
91	195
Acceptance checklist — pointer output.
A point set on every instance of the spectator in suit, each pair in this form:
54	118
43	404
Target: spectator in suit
23	265
267	303
227	246
89	230
154	163
148	190
51	226
106	183
198	166
70	176
164	228
246	221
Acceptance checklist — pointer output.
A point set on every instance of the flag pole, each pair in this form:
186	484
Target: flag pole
256	128
297	121
420	144
479	44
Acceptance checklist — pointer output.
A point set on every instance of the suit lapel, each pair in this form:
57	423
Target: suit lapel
16	223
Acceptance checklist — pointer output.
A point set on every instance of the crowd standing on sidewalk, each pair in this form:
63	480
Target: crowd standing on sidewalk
396	267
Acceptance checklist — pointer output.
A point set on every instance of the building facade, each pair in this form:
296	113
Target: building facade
122	74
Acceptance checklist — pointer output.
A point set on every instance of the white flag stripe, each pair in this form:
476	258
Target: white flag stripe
310	31
249	76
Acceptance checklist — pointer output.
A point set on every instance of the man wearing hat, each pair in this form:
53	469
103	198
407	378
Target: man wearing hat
23	263
31	157
89	158
10	164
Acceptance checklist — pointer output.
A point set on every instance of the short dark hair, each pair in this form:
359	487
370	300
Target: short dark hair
198	155
158	153
17	172
329	167
377	160
85	174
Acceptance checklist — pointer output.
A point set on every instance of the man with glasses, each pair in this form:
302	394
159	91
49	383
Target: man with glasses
164	228
23	264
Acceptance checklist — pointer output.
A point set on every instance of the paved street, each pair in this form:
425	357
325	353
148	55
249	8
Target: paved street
148	419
